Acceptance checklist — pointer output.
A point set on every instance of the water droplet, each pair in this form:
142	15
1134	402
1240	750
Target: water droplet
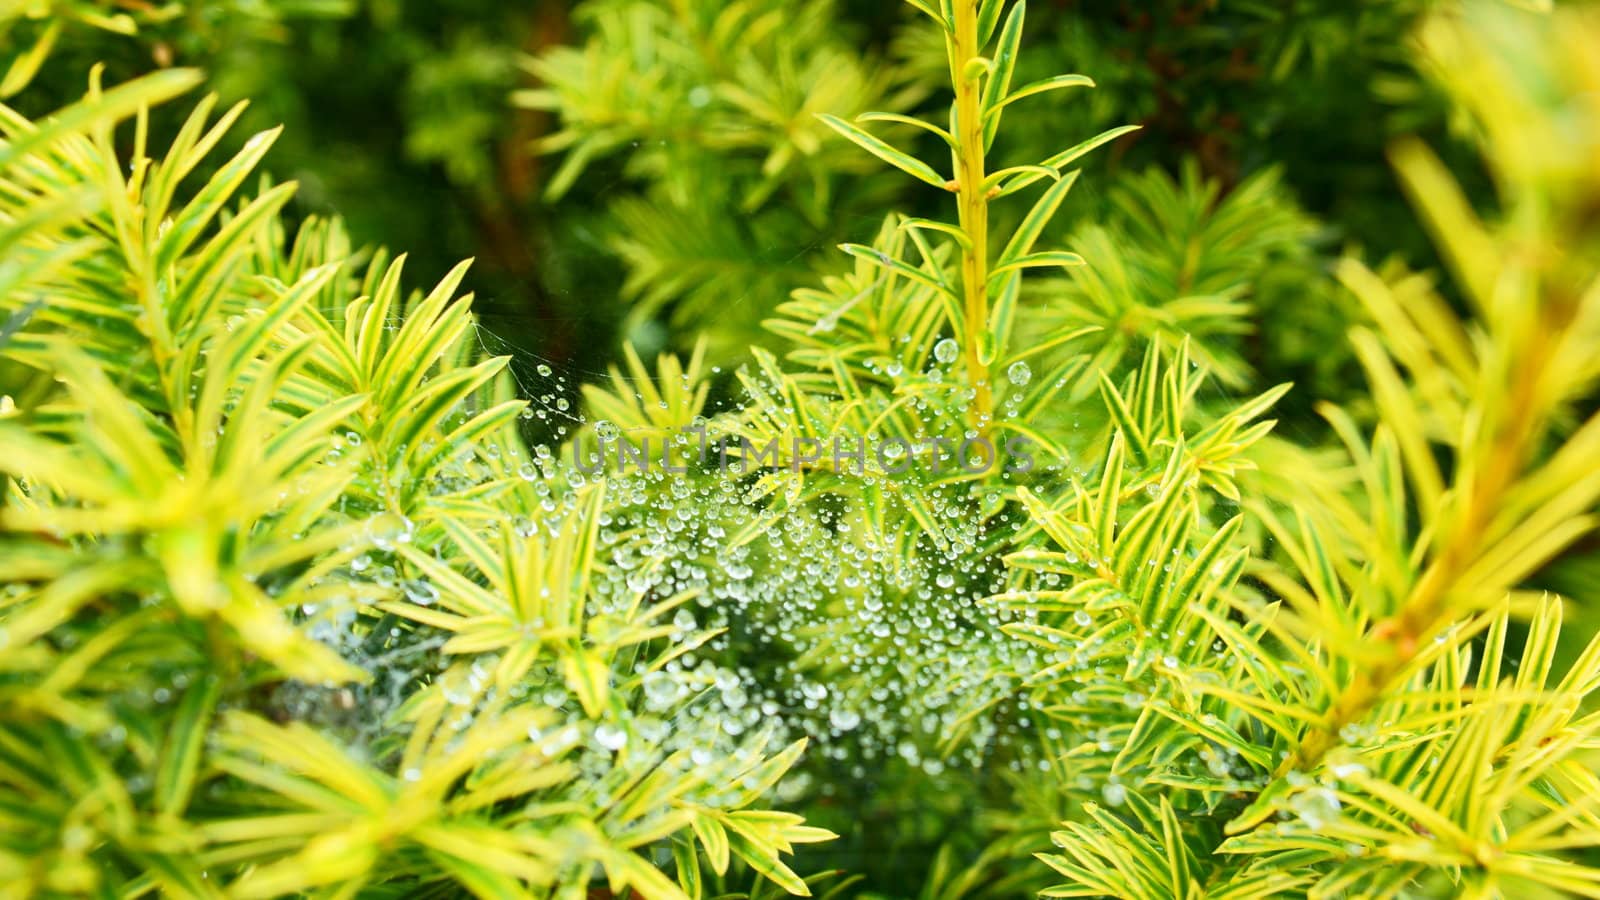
421	593
660	690
1317	808
610	737
1019	373
946	351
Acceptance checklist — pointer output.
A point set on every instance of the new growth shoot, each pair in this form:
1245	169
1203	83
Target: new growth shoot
982	56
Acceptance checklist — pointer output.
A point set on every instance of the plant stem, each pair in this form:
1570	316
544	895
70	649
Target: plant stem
974	202
1426	607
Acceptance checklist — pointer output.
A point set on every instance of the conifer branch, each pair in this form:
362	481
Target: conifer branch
966	74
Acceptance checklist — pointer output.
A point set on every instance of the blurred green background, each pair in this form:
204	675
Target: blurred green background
652	170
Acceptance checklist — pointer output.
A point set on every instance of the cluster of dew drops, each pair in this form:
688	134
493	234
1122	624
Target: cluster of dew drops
824	628
805	622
